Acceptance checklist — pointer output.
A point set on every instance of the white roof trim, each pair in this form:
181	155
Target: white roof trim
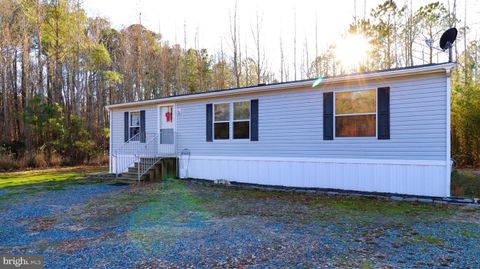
446	67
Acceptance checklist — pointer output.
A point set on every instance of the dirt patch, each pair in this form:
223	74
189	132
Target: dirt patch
72	245
42	224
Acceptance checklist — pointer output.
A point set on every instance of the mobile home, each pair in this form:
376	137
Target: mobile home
385	131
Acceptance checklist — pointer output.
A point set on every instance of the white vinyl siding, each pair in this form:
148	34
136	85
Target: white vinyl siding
291	124
117	132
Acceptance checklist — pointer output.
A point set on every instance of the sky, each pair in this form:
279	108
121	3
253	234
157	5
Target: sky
209	21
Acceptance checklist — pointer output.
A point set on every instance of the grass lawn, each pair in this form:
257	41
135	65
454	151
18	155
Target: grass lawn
86	223
466	182
47	175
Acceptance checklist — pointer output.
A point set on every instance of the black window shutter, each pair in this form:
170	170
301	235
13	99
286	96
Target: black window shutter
254	120
328	116
143	134
126	131
383	108
209	123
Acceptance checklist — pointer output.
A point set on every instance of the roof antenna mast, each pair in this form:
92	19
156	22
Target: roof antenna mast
446	42
139	6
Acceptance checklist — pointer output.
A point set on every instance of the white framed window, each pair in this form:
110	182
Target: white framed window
231	120
221	121
134	124
241	120
356	113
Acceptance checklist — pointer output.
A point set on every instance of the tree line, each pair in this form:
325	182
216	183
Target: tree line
60	67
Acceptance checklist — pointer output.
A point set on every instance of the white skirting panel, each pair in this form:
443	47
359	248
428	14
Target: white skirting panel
121	162
415	177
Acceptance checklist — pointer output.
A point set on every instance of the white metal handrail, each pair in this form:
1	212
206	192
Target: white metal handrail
163	143
124	154
148	159
134	138
145	155
127	154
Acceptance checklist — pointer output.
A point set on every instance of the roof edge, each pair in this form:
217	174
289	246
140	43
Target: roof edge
393	73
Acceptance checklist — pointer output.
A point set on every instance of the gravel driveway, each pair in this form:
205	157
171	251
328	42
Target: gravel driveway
94	224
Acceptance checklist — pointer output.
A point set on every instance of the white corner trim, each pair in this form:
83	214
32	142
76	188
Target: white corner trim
323	160
448	136
110	147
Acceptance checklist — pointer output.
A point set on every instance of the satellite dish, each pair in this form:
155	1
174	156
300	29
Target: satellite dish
446	41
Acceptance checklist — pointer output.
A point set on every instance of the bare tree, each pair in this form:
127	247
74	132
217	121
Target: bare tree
307	59
295	45
239	56
259	57
465	42
433	19
185	35
234	38
197	38
246	63
38	28
316	45
282	60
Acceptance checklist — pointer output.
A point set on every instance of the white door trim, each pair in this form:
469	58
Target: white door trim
174	115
